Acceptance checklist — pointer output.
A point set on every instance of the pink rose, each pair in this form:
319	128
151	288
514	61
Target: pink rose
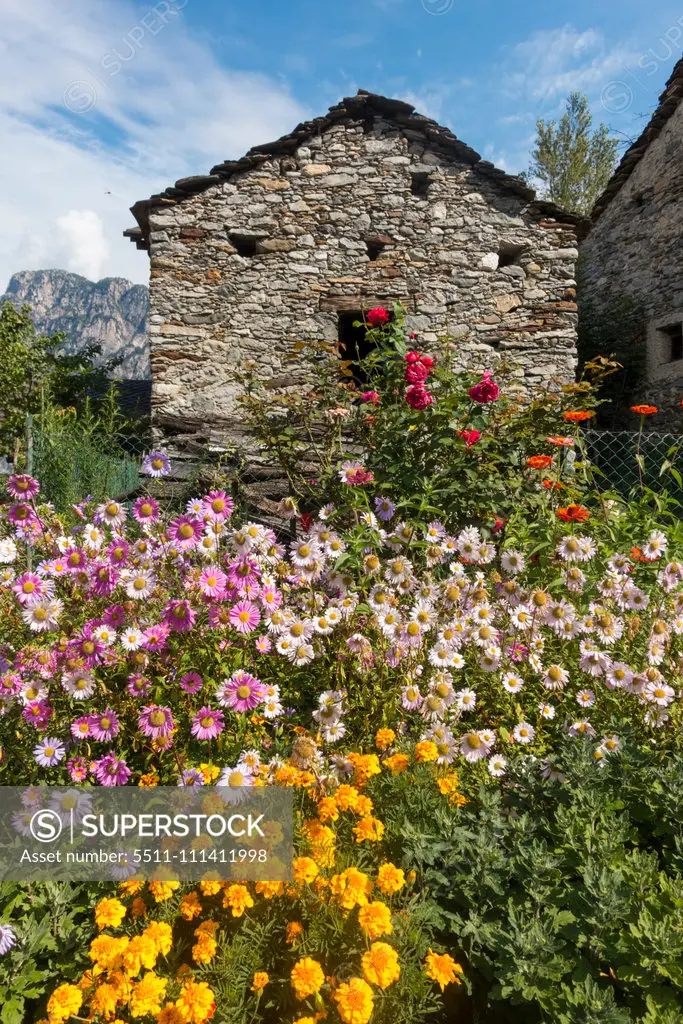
485	391
418	397
371	396
416	373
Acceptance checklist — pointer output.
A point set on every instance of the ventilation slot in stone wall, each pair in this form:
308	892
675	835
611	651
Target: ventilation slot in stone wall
376	245
509	254
246	245
672	342
419	184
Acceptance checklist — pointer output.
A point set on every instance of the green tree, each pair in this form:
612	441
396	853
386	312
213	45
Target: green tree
572	160
33	364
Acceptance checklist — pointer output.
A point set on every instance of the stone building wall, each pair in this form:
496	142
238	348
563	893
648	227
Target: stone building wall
364	211
635	247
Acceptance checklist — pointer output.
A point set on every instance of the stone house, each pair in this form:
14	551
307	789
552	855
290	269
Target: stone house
634	249
366	205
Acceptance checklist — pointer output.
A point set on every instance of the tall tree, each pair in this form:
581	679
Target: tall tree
572	160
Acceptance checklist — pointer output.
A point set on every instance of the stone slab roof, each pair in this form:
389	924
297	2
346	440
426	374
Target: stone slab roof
668	102
364	107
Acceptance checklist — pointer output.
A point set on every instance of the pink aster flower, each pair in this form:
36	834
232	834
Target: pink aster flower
80	728
191	682
243	572
114	616
156	636
207	724
20	514
212	582
118	552
156	721
186	532
22	486
29	587
263	644
218	506
104	579
112	771
137	685
244	617
38	713
179	616
77	768
241	692
146	510
105	726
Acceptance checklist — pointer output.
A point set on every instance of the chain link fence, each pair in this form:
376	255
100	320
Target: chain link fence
614	454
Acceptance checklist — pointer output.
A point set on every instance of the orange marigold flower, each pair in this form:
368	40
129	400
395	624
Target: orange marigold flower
375	919
573	514
370	829
304	870
539	461
380	965
190	907
196	1002
644	410
355	1001
238	899
384	738
578	416
397	763
426	750
327	809
260	981
442	968
307	978
390	879
293	931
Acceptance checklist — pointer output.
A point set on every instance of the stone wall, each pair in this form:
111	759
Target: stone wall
635	250
438	227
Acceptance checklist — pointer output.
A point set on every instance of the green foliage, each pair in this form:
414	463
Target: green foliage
573	161
31	364
54	924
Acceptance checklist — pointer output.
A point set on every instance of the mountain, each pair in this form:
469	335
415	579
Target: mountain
111	312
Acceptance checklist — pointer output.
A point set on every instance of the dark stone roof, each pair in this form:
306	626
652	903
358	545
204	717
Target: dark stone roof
668	102
362	107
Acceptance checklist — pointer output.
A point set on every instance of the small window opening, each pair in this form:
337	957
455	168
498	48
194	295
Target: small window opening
353	343
419	184
673	342
509	254
245	244
375	249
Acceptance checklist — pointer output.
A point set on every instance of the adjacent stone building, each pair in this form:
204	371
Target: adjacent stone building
634	250
367	205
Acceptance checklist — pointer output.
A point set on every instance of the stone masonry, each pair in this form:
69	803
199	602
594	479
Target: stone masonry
635	246
365	206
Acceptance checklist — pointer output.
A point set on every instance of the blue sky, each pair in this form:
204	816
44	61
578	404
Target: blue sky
104	101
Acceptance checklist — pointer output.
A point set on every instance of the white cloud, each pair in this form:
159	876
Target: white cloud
86	247
156	106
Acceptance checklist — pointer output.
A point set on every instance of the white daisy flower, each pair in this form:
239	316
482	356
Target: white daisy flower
512	682
497	765
524	733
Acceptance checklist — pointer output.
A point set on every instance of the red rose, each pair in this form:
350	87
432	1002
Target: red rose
418	397
371	396
485	391
427	361
377	317
416	373
412	357
470	437
498	526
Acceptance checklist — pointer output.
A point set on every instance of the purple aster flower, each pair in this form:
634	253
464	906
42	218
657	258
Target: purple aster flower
241	692
156	721
180	616
156	637
118	552
104	578
49	753
191	682
20	514
207	724
185	532
30	587
244	572
111	771
88	648
8	936
156	464
191	777
22	486
114	616
104	726
38	713
137	685
146	510
384	508
218	506
517	652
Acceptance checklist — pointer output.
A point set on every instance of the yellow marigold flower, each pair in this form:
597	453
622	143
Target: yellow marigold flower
363	806
109	913
442	968
365	766
149	779
130	888
384	738
64	1001
447	784
122	985
426	751
346	797
380	965
140	952
106	950
355	1001
104	1002
305	1020
196	1002
307	978
190	907
370	829
260	981
270	889
293	931
327	809
170	1015
147	995
397	763
162	891
161	934
138	907
238	899
304	870
210	772
320	838
351	888
210	887
390	879
204	949
375	920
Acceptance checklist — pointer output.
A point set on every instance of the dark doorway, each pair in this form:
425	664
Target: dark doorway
353	343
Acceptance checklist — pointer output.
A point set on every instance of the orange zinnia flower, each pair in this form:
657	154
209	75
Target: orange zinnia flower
573	514
563	442
644	410
552	485
578	416
638	556
539	461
